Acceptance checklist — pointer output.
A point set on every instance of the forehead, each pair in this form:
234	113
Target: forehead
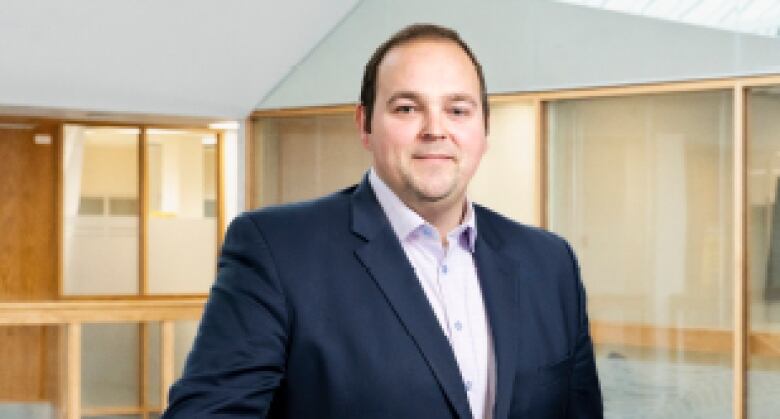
429	66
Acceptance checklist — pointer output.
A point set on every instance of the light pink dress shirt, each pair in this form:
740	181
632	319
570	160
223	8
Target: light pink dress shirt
448	275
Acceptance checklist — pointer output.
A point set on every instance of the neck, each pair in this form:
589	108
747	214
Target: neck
445	216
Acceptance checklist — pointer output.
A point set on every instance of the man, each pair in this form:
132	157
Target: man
398	297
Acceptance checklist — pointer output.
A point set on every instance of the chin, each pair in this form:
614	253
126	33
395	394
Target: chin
435	194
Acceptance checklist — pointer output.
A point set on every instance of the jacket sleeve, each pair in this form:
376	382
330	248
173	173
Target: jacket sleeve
585	393
238	357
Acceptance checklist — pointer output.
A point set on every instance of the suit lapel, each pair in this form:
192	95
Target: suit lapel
498	291
387	264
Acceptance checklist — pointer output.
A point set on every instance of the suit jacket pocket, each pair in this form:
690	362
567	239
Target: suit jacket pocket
543	392
554	373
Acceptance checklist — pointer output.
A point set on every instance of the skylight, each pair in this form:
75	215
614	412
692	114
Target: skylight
759	17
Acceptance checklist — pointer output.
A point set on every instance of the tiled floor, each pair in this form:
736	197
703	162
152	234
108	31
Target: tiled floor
639	389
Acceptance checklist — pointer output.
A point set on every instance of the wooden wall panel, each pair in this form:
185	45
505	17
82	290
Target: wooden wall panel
28	255
27	208
23	363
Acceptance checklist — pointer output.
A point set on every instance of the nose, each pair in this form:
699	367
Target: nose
433	128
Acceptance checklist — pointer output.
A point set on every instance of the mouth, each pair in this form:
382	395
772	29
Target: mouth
433	157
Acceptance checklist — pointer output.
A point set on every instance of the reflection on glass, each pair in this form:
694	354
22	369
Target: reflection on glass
109	365
100	210
182	224
642	188
764	251
306	157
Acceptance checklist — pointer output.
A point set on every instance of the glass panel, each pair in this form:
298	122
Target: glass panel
122	207
109	365
153	364
91	205
764	251
306	157
32	410
182	233
100	215
184	336
511	157
642	188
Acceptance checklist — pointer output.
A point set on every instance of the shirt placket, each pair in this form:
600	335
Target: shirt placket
451	278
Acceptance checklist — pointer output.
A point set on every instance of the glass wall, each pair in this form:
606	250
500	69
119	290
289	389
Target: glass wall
102	191
153	365
184	333
764	251
303	157
106	382
100	210
511	158
182	224
101	213
641	186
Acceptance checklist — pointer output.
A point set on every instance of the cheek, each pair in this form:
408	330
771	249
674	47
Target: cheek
473	143
397	139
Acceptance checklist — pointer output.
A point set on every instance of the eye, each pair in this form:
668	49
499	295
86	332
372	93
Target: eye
404	109
460	110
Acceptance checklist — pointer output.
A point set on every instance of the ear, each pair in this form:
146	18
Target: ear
360	122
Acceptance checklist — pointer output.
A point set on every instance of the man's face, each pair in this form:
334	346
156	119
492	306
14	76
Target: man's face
427	129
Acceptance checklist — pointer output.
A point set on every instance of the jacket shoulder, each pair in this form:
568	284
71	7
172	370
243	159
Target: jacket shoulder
510	231
315	213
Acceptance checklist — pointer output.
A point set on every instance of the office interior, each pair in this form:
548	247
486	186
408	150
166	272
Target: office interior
644	132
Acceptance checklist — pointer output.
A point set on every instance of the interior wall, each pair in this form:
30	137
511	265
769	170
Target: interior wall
27	266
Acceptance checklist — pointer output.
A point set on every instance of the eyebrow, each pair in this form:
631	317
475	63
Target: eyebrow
462	97
404	95
455	97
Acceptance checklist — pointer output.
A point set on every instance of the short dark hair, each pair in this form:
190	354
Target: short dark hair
406	35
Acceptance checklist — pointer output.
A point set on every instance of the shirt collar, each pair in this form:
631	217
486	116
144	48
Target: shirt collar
405	221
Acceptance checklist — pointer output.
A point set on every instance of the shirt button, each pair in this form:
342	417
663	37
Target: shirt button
468	385
458	325
444	268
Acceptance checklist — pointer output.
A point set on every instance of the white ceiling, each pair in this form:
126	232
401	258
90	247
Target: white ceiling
179	57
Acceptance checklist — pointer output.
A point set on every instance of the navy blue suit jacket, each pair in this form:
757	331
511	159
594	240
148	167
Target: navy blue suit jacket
316	313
